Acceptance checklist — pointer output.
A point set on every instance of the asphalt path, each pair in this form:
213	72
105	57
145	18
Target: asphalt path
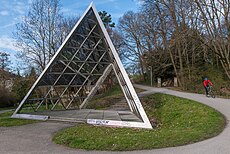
37	138
3	111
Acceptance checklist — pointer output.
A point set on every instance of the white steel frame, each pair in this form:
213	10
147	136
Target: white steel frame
107	60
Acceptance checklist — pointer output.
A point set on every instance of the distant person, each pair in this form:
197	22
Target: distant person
206	84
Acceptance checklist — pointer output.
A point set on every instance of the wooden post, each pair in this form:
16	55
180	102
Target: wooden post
175	82
158	82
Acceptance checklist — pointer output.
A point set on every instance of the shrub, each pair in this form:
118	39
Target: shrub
7	99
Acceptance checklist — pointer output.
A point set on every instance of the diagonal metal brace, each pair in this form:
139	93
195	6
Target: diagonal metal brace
95	88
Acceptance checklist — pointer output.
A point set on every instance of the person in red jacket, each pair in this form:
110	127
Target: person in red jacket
206	84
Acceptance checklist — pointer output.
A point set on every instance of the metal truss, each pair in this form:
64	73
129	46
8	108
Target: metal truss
84	60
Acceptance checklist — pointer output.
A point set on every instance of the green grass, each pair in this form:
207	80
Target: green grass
7	108
105	100
179	121
7	121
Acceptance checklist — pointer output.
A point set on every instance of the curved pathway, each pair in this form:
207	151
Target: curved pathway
37	138
3	111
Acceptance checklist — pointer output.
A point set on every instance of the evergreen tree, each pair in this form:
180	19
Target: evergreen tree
106	19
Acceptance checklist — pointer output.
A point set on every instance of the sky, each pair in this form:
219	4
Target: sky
12	11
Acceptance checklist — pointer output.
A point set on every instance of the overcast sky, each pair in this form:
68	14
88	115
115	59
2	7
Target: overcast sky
11	12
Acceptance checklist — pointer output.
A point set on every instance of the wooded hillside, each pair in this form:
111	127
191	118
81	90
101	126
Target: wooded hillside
184	39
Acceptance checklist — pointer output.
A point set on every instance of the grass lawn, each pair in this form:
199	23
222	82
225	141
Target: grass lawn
179	121
108	98
7	108
7	121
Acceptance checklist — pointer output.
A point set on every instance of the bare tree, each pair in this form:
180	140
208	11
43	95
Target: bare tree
37	34
178	37
172	29
167	22
131	32
215	16
113	33
156	33
65	27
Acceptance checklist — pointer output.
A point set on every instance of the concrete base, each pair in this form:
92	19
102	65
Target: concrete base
84	114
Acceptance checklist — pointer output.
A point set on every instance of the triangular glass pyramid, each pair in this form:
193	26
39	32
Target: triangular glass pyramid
74	75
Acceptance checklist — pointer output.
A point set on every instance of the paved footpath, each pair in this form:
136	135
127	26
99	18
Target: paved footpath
3	111
37	138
